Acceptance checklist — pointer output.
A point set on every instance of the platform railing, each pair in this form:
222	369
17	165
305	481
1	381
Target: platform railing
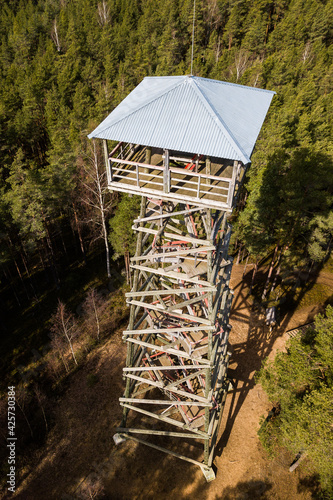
172	183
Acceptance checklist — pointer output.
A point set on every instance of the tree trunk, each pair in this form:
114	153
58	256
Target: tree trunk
107	249
39	397
52	258
299	458
270	273
97	319
278	263
65	330
63	360
25	417
254	272
79	232
22	252
10	280
71	346
102	212
247	259
12	250
238	256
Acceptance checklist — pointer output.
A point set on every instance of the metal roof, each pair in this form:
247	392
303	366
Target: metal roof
190	114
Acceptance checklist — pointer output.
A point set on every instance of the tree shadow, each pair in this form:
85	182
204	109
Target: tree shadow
311	483
249	490
248	355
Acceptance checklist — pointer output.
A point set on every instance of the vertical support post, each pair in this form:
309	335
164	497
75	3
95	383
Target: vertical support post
166	172
198	189
197	164
232	184
147	159
130	348
107	161
148	155
208	168
208	376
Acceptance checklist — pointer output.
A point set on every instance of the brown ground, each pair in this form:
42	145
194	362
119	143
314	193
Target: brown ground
80	450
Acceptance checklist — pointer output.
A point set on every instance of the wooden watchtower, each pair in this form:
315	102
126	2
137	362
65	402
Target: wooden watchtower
183	145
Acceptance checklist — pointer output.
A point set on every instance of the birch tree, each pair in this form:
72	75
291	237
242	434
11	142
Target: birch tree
93	308
64	328
97	197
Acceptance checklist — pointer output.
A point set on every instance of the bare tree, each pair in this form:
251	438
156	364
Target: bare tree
64	329
55	35
96	197
307	53
92	310
59	346
91	488
103	13
41	398
241	63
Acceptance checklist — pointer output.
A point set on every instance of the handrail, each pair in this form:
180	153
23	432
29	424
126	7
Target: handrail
116	148
172	169
167	181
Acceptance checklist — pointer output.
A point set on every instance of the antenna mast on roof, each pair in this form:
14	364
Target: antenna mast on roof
192	38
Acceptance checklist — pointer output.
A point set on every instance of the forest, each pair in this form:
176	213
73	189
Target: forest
64	66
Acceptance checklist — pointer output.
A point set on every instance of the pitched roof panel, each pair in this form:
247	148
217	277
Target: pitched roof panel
190	114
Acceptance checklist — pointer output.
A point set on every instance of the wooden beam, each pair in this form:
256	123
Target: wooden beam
145	380
188	302
173	291
165	450
169	253
163	368
163	402
159	308
174	197
164	419
171	274
159	433
184	379
166	172
170	330
173	390
168	214
172	236
166	349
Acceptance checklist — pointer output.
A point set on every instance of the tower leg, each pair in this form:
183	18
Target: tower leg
178	331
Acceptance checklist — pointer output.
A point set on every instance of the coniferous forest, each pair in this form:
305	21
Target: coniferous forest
64	66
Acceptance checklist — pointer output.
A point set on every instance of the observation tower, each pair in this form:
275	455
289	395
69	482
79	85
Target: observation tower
183	144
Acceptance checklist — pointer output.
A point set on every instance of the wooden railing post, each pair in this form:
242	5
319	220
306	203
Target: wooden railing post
232	183
108	164
208	168
166	173
198	190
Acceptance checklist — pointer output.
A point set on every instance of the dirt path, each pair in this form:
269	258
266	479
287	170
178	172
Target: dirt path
80	450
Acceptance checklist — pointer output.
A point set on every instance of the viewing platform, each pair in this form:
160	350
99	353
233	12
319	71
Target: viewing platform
174	176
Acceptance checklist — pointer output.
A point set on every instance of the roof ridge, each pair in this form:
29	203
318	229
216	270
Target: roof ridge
231	84
147	101
225	128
